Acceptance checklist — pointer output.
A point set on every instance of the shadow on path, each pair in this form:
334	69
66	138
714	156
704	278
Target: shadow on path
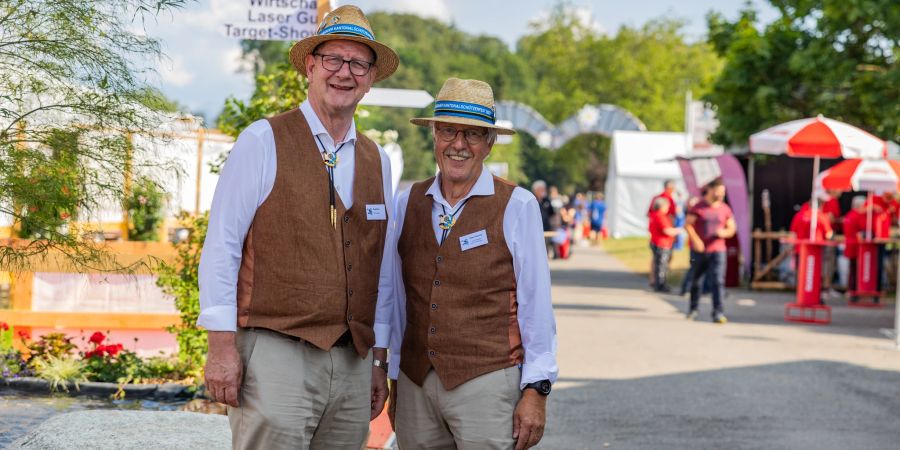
802	405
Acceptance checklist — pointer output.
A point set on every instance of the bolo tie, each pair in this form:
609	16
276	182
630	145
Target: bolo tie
331	160
446	221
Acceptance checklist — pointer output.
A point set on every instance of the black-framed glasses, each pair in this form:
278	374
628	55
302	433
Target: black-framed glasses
333	63
473	137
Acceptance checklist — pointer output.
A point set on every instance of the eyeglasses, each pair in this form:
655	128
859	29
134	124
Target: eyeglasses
333	63
472	136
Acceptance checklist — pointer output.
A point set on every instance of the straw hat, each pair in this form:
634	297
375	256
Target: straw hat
346	23
466	102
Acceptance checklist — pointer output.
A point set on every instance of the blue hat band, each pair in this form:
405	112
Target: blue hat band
346	29
465	110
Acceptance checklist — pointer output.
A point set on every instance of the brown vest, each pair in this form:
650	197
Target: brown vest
460	305
299	275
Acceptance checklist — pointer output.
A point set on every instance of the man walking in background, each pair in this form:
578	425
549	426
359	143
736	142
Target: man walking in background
708	224
662	236
292	259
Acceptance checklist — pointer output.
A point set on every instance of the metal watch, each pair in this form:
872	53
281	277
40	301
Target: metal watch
381	364
542	387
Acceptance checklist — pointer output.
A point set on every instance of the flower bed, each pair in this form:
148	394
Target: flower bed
52	364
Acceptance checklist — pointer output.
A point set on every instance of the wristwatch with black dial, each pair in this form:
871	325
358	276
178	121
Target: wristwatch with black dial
542	387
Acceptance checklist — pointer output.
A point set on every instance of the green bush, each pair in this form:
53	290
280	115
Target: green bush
145	208
180	280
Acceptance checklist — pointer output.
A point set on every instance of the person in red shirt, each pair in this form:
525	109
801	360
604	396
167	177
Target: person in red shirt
662	236
801	222
668	194
708	224
853	224
832	209
876	224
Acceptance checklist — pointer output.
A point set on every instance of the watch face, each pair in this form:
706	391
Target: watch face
545	387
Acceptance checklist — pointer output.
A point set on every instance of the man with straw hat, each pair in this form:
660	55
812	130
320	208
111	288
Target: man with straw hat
292	259
473	319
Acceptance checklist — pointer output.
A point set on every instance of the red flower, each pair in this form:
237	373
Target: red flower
4	326
97	338
24	334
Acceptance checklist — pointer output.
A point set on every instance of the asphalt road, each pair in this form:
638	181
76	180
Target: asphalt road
634	374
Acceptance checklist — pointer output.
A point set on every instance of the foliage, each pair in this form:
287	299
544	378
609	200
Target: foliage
71	94
832	57
53	344
13	364
180	280
165	368
6	336
146	209
110	363
61	371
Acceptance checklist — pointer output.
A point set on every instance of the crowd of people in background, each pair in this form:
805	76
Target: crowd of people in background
569	221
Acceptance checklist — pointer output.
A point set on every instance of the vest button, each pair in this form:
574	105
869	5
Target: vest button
440	259
434	306
432	330
349	316
350	292
349	267
431	353
347	243
437	282
346	218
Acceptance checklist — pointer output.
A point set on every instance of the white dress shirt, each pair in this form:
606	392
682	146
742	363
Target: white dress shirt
524	235
244	184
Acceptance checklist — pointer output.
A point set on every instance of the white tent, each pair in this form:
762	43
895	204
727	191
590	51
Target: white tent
639	164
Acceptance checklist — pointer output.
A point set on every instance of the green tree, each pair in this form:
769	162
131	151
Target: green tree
71	95
832	57
645	70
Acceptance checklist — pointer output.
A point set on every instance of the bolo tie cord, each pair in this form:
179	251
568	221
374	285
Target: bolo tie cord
331	160
446	221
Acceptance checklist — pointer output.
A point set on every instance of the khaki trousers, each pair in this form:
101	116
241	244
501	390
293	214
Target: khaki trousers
477	414
297	396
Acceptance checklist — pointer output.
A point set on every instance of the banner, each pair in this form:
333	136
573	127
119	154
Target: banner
274	20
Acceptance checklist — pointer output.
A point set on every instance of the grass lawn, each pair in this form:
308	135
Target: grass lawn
634	253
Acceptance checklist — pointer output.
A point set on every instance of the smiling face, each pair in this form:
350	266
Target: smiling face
338	92
460	161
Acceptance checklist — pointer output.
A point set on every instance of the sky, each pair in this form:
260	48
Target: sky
202	66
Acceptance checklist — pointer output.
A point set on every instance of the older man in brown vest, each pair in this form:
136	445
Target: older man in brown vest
292	260
474	333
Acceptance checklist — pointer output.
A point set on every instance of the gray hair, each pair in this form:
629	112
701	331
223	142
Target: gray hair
539	184
858	202
659	202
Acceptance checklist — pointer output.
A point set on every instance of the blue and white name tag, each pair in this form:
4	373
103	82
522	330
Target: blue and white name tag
376	212
470	241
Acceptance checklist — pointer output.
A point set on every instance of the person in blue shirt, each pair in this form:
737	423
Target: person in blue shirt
597	211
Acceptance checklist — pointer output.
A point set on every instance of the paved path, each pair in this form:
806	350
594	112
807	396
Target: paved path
636	375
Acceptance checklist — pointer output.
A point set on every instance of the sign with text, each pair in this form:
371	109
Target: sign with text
274	20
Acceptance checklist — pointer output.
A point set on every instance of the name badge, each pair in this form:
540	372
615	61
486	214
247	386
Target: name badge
476	239
376	212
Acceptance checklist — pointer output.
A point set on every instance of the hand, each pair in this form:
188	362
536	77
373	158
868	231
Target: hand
379	383
529	419
699	247
379	391
224	370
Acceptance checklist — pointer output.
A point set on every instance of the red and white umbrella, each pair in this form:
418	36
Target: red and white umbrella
818	137
874	175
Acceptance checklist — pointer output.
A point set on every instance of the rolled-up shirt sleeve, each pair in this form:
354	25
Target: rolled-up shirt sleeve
522	222
384	306
244	183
